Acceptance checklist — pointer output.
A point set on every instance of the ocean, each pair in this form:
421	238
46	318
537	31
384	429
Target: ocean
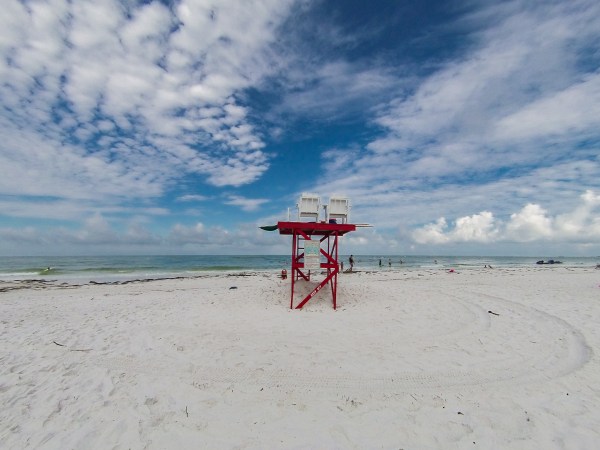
85	269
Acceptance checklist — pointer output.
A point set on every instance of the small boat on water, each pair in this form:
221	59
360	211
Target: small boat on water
550	261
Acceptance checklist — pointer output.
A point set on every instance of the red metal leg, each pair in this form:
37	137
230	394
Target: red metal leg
331	264
315	290
293	271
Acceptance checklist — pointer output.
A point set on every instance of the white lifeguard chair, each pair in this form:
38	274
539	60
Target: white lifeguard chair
309	205
338	209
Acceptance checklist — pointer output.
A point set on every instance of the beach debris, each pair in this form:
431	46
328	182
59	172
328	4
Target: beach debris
492	312
74	349
233	287
6	286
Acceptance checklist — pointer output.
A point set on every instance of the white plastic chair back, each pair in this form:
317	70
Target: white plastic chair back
309	206
338	208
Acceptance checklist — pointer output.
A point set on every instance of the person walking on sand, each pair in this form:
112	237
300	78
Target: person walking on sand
351	261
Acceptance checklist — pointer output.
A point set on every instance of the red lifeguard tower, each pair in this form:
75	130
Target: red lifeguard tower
313	240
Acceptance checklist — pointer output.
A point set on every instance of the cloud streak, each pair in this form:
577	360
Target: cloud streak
107	99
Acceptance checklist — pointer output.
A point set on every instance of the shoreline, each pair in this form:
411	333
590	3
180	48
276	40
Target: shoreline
78	270
81	281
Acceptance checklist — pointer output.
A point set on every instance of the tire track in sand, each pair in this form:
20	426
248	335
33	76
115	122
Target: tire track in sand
521	345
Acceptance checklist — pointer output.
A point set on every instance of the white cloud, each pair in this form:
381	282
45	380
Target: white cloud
582	222
531	223
432	233
247	204
131	74
512	120
181	234
192	198
97	230
476	228
573	110
522	82
337	88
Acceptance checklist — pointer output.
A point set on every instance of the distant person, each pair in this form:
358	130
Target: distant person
379	262
390	262
351	261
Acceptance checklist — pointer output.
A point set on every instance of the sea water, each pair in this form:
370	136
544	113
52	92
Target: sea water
123	268
83	269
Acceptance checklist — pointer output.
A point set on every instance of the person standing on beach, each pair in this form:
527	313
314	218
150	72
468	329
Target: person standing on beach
379	262
351	261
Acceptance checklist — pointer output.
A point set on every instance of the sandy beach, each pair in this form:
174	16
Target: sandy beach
421	359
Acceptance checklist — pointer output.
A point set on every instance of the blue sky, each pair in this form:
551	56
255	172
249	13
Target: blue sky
174	127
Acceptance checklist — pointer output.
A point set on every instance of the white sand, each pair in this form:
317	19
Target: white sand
409	360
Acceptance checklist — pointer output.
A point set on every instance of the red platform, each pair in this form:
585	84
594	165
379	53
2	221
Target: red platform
328	234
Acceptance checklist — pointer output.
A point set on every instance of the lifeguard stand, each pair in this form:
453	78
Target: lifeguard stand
315	244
